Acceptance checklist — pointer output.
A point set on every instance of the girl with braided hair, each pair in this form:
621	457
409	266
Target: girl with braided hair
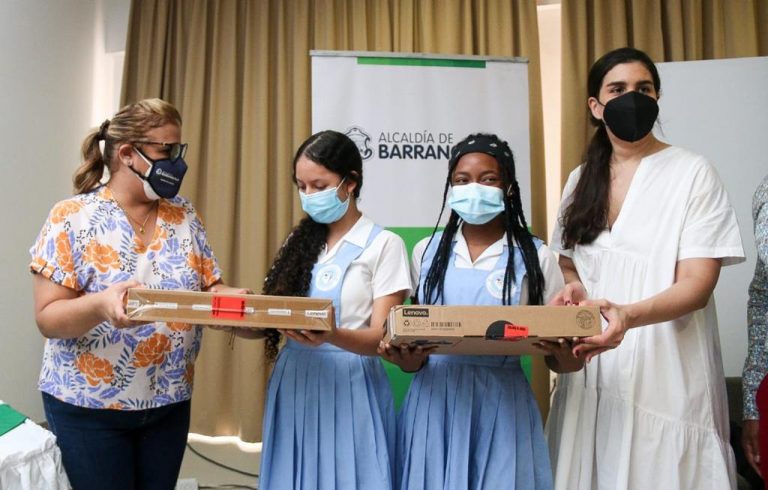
472	421
329	421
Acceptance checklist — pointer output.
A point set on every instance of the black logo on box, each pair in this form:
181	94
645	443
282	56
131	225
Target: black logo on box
420	312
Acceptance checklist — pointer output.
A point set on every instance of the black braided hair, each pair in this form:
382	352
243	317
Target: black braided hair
291	271
514	224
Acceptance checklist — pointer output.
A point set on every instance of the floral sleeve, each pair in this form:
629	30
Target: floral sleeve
53	254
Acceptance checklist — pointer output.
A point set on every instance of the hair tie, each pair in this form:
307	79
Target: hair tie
102	135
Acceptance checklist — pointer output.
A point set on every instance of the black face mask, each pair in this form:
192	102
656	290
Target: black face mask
631	116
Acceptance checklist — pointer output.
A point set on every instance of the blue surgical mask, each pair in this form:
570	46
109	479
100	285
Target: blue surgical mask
324	206
163	177
476	204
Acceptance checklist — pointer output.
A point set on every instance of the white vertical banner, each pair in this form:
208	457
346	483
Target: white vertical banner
405	112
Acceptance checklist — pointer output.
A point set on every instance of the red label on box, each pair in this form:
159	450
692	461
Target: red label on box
228	307
514	332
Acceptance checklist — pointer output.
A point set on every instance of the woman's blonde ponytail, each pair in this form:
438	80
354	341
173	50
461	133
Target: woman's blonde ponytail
89	173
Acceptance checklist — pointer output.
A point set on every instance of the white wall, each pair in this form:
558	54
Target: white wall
719	108
550	47
47	68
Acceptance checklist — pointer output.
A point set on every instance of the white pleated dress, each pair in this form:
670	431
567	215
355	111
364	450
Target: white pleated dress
329	422
651	414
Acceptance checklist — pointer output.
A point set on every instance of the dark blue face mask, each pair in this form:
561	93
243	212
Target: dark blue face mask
164	176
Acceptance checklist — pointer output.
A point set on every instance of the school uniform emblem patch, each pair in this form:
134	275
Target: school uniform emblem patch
328	277
494	284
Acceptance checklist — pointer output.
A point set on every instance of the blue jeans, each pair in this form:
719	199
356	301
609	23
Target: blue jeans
119	449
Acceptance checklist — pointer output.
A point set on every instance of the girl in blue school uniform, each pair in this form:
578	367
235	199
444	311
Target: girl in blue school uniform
329	421
471	422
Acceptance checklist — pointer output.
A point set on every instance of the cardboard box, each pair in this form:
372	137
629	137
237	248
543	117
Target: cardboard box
235	310
489	330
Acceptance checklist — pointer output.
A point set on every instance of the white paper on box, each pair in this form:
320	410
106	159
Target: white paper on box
316	314
279	312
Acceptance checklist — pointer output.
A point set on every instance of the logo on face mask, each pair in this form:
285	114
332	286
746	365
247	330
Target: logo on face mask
476	204
163	178
631	116
324	206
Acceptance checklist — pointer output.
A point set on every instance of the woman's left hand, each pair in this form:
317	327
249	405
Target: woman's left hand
618	324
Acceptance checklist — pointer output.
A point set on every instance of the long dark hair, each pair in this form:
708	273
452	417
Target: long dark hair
587	214
514	224
291	271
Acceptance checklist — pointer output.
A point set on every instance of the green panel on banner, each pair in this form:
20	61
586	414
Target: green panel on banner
375	60
527	364
399	380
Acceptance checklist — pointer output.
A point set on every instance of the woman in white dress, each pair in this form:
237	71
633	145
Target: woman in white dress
646	226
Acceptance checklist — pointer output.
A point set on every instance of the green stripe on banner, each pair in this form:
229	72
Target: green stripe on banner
375	60
412	235
527	364
399	380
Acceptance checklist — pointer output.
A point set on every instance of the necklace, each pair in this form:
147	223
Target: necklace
146	218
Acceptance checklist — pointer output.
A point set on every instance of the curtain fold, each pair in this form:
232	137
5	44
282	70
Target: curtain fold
239	72
668	30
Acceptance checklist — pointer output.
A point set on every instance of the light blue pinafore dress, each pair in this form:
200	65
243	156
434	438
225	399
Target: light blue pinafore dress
329	421
471	422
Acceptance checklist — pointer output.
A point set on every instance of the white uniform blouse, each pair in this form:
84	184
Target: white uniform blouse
381	269
553	277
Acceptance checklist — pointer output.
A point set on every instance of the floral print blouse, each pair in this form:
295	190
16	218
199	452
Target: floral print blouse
87	244
756	364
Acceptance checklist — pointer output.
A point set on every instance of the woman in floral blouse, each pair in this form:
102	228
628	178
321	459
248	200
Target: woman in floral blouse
117	393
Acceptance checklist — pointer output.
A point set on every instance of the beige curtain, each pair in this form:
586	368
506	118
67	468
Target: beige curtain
668	30
239	72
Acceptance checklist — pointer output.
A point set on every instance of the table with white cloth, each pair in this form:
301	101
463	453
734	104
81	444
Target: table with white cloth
30	459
